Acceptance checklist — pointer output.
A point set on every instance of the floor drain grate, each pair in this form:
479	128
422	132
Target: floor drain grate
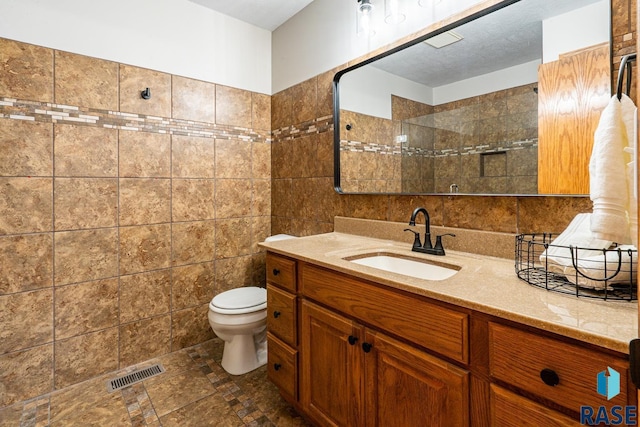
134	377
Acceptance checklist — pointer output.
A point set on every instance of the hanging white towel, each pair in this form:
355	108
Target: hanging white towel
608	177
630	120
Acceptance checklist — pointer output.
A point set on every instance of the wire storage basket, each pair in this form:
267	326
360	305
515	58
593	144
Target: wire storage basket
608	274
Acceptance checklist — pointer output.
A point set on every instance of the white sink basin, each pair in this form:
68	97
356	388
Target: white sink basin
409	266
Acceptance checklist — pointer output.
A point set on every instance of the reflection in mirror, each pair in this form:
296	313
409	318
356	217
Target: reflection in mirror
459	111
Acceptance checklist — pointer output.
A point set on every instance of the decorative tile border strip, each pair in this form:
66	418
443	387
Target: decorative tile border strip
319	125
361	147
58	113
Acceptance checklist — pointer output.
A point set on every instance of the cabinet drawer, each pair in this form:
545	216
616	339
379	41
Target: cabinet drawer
281	314
519	358
282	366
510	410
281	271
428	325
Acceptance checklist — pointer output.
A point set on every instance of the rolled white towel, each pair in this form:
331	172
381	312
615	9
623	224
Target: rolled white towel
578	233
594	267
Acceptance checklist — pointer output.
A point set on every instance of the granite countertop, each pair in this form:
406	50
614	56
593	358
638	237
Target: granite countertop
483	283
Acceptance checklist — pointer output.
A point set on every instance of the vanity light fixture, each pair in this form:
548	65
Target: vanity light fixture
393	12
363	18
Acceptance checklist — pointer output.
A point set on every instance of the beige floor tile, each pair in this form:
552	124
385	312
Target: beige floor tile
80	397
10	415
168	394
212	411
108	412
175	362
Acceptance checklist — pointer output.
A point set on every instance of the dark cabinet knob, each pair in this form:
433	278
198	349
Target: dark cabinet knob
276	314
277	366
549	377
366	347
352	340
276	271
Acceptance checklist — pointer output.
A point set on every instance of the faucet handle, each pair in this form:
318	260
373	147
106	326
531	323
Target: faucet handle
416	238
438	246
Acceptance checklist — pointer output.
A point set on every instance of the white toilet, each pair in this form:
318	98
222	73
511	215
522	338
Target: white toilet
239	318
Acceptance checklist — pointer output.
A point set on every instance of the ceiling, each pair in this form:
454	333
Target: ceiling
267	14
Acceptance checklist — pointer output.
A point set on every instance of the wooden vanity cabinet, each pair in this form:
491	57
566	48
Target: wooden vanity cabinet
282	325
355	376
353	373
350	352
551	370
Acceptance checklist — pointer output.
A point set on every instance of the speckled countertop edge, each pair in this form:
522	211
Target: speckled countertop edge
484	284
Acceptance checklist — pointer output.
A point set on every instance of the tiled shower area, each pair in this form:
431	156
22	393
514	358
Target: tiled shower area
120	217
486	144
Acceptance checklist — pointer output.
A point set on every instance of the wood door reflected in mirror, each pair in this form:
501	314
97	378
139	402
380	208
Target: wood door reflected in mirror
465	110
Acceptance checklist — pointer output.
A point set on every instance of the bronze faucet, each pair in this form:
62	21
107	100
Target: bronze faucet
427	247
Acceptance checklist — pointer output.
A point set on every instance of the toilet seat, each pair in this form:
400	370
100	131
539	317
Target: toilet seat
240	300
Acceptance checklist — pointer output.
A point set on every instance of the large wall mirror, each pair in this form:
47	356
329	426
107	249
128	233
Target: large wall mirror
477	106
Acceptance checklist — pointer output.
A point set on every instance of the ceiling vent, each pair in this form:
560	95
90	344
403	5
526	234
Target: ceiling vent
443	39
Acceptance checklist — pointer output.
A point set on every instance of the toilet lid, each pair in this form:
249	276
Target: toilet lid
241	299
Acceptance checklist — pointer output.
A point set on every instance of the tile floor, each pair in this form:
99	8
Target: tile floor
194	391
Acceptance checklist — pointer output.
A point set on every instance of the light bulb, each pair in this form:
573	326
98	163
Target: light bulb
363	20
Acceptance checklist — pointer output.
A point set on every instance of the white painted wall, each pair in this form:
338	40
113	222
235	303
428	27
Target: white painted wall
173	36
518	75
356	94
575	30
184	38
323	36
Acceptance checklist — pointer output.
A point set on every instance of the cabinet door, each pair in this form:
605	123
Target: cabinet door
572	92
331	377
407	387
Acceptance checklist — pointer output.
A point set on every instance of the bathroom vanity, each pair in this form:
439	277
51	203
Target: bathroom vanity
354	345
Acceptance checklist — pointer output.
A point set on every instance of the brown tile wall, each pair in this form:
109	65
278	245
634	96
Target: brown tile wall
366	149
120	218
624	38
